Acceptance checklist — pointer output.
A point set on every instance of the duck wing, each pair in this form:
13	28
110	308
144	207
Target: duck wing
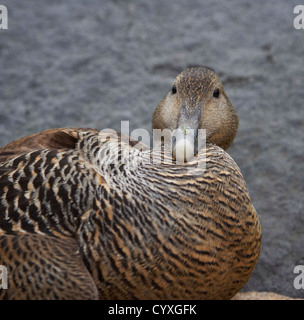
58	139
41	206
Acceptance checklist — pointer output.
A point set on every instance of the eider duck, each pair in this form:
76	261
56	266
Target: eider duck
83	216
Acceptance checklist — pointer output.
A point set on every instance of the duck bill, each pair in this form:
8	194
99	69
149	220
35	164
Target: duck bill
185	137
183	144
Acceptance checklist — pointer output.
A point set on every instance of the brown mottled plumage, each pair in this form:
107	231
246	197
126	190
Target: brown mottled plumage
78	221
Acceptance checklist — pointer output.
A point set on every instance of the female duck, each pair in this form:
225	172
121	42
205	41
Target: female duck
77	221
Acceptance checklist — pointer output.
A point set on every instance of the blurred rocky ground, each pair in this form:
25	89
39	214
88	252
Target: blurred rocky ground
94	63
252	295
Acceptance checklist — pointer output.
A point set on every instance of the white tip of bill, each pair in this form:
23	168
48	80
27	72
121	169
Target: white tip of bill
183	151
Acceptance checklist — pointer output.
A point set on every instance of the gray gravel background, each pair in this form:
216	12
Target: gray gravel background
95	63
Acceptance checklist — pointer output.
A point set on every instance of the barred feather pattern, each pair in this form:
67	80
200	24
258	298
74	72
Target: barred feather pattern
120	226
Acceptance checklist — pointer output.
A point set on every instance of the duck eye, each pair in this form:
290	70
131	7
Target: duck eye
216	93
174	90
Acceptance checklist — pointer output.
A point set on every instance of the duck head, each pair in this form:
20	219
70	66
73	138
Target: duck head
197	100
